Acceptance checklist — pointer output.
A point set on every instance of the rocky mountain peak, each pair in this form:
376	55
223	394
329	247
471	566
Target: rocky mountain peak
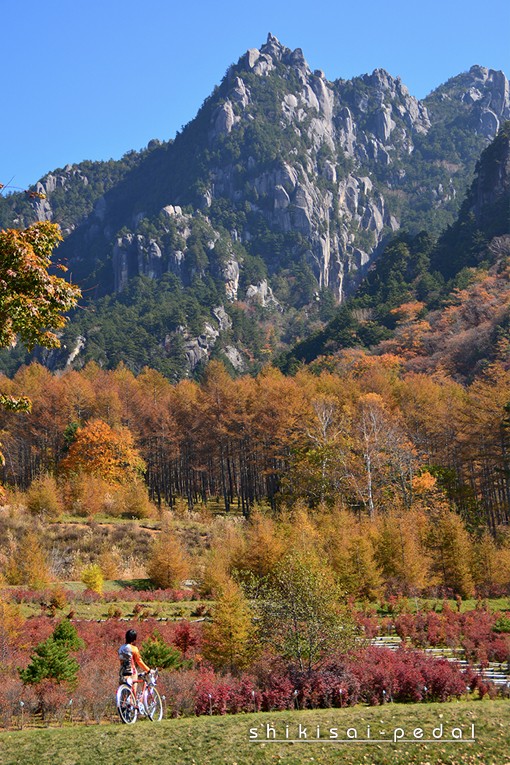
484	92
381	80
490	87
264	60
273	47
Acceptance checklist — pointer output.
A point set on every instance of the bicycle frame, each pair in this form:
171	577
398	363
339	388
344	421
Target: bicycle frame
146	701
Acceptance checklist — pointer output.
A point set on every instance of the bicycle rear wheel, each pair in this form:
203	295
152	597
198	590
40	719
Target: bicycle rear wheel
126	706
153	704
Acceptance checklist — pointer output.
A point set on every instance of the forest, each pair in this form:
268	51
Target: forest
359	437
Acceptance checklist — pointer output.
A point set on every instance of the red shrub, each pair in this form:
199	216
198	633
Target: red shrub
130	595
213	693
452	629
410	681
185	637
375	671
405	676
52	700
94	696
406	627
35	630
500	648
478	636
11	693
276	688
278	694
179	688
435	629
369	625
443	679
332	686
244	696
484	687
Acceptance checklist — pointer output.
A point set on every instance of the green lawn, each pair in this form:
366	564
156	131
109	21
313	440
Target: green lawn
164	609
225	740
493	604
100	610
419	604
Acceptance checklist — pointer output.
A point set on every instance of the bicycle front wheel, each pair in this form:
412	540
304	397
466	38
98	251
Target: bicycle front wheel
153	704
126	705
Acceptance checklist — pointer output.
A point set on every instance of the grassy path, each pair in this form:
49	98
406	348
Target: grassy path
225	740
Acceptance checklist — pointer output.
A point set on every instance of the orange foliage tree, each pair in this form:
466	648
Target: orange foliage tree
104	452
32	300
168	563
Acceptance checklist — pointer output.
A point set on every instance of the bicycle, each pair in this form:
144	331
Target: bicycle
147	701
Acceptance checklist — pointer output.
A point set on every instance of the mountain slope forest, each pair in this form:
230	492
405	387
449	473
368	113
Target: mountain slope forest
238	239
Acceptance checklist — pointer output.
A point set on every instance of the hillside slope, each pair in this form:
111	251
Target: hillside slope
226	739
438	305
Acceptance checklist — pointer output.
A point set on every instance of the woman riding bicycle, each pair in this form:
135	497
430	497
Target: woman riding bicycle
131	661
130	703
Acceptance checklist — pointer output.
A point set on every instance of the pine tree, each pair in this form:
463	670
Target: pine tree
66	633
156	652
51	659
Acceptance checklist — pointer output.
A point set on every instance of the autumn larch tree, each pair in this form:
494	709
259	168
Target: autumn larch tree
229	641
451	551
262	550
104	452
168	563
27	562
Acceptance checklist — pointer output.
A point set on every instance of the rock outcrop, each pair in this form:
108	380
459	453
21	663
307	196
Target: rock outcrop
198	348
489	198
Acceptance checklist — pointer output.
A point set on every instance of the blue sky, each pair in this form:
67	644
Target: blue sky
92	79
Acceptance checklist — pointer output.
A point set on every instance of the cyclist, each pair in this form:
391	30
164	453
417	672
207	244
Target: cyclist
131	661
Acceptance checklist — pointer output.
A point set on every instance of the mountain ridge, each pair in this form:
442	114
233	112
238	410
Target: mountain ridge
274	200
